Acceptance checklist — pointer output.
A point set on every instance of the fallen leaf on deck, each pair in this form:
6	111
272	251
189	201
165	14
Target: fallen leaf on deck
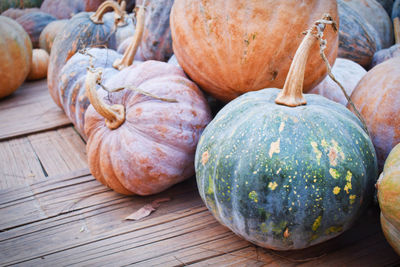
146	210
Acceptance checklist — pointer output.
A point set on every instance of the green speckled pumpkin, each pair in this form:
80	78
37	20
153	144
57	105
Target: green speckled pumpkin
289	175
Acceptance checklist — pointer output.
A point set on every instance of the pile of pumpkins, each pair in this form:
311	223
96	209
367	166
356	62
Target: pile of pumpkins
283	169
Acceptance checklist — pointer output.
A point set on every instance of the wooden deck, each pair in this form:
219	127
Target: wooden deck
54	213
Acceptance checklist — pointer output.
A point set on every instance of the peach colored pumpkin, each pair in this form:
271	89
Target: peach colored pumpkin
50	32
40	61
235	46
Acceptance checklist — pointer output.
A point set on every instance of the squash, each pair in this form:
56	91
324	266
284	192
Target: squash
40	61
227	49
388	187
83	30
280	168
387	5
33	23
15	13
16	56
6	4
377	96
356	37
65	9
348	73
49	33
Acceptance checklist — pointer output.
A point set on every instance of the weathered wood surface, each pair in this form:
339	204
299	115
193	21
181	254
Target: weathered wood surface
54	213
30	109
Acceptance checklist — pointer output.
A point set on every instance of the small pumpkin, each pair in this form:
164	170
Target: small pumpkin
388	187
348	73
33	23
65	9
377	96
15	13
40	61
16	56
6	4
280	168
49	33
226	48
83	30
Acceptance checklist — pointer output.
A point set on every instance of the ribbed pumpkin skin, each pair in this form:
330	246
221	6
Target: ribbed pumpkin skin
49	33
157	41
6	4
154	148
285	178
232	47
80	32
389	198
356	39
15	13
377	97
385	54
348	73
33	23
72	81
16	55
40	62
65	9
124	30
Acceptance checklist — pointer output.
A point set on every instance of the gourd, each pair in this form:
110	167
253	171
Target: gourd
40	61
281	169
16	56
15	13
33	23
83	30
388	187
49	33
377	96
65	9
348	73
6	4
227	49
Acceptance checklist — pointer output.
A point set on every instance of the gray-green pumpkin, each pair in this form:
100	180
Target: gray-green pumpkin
289	175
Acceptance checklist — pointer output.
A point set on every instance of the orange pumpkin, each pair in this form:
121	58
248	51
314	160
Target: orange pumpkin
377	97
16	58
40	61
235	46
49	33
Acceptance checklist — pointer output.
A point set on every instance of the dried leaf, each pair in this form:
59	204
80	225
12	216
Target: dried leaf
146	210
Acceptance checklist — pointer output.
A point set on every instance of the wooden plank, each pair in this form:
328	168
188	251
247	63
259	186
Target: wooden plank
60	151
30	109
19	163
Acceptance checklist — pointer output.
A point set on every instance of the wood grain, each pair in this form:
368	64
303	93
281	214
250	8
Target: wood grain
30	109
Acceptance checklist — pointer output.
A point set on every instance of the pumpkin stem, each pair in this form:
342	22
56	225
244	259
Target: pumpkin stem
97	17
114	115
292	93
130	52
122	22
396	27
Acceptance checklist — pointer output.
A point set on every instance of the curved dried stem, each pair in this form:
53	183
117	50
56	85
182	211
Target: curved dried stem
97	17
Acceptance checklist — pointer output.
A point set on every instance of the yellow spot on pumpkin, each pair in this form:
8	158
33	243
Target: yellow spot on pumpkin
336	190
210	190
348	186
204	157
286	234
253	196
334	173
281	126
272	185
324	144
264	228
352	198
278	171
275	147
316	223
316	151
333	229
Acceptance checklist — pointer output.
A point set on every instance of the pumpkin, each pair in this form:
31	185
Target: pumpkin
281	169
226	48
377	18
16	56
377	96
356	39
65	9
33	23
83	30
387	5
15	13
348	73
40	61
49	33
6	4
388	187
157	41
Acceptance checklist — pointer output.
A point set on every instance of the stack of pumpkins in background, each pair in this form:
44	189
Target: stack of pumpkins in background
283	170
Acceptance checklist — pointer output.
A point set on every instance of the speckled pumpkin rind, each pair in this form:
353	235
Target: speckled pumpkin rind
285	178
231	47
389	198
